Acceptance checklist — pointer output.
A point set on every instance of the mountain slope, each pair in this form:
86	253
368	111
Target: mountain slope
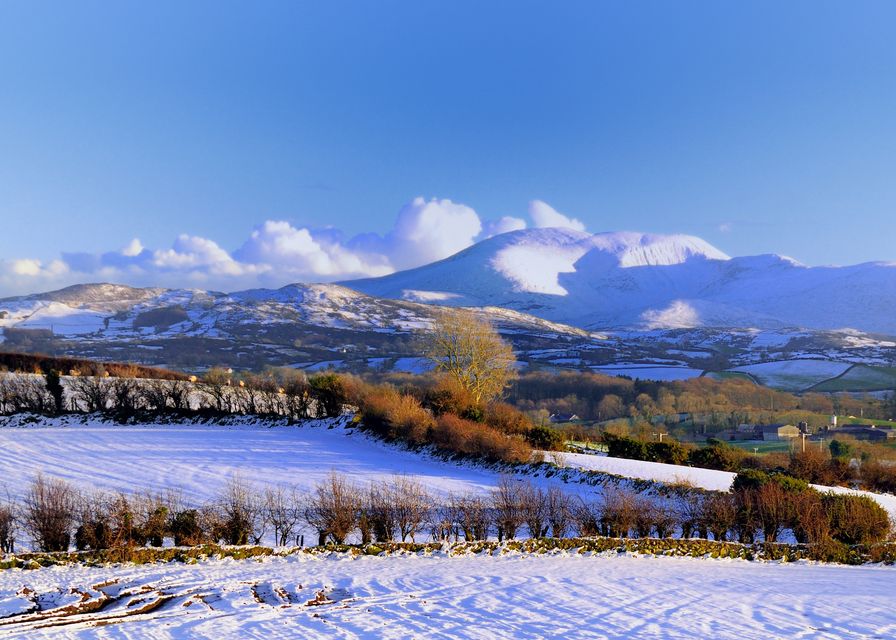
643	281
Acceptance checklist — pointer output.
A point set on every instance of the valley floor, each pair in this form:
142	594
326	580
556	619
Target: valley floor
413	596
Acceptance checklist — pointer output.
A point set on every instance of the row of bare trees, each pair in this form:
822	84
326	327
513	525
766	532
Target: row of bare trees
278	392
56	516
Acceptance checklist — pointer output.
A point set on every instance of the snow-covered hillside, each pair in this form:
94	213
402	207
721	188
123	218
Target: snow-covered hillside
198	459
635	280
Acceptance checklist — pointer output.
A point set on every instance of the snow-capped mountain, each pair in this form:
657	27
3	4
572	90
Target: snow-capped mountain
660	307
643	281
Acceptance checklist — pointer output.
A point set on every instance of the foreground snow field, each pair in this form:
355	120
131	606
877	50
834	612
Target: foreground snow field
410	596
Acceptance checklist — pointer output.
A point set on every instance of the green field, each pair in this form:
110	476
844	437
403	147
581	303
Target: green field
861	378
730	375
762	446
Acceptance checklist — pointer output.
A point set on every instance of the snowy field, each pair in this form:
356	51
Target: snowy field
794	375
487	597
401	596
199	459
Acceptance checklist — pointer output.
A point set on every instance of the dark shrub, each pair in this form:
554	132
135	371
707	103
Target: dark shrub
544	437
856	519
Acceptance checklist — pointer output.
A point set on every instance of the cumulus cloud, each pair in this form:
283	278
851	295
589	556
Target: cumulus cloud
298	251
426	231
275	253
544	215
502	225
278	252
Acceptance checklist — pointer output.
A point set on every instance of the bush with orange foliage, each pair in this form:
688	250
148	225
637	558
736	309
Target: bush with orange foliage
395	415
507	419
465	437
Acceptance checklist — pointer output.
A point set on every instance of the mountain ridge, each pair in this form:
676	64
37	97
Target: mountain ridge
631	280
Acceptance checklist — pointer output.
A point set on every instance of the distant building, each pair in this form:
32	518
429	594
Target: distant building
868	432
779	431
563	417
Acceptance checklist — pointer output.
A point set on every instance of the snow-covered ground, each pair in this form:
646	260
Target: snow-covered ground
663	374
794	374
415	596
198	459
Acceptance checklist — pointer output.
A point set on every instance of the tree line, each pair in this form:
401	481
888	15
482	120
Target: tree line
837	465
57	516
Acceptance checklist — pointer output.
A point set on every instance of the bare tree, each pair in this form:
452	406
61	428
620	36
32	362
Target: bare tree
507	502
215	385
719	515
154	394
410	505
152	512
559	511
587	518
178	392
333	509
241	512
8	521
296	392
282	511
94	529
534	509
125	396
442	523
472	515
380	513
26	392
470	351
91	393
49	513
690	512
618	513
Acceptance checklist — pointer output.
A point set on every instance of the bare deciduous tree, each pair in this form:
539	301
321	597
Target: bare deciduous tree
380	514
240	512
333	509
534	511
472	516
410	504
8	521
470	351
559	511
91	393
49	513
282	510
587	518
507	502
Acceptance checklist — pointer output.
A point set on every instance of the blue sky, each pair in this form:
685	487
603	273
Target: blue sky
761	127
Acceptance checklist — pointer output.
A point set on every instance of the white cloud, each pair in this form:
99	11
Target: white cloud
430	230
502	225
297	251
276	253
544	215
133	248
26	267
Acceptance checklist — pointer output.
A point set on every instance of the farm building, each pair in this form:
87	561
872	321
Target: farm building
779	431
865	432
